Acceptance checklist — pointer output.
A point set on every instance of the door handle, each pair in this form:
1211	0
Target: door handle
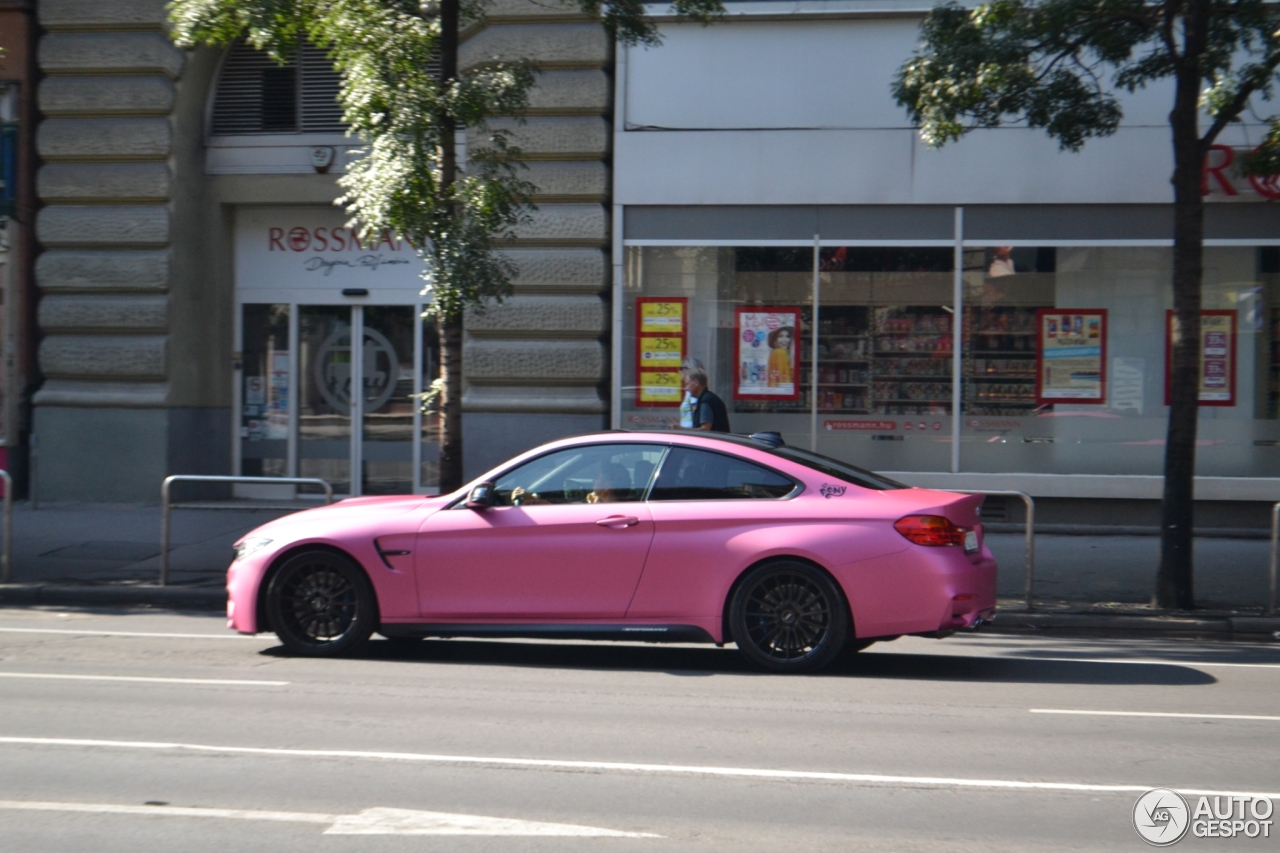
618	521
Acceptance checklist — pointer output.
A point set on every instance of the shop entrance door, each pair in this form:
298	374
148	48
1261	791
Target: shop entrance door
329	391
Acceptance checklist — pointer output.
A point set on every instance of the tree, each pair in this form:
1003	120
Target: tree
1057	65
407	115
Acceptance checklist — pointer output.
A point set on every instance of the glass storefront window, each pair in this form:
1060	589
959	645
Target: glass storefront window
264	401
881	392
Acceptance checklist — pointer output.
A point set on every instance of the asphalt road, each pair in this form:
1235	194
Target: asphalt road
172	734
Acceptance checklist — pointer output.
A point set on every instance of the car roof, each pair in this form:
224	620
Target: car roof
728	438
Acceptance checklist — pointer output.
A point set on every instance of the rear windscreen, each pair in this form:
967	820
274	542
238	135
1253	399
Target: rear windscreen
836	469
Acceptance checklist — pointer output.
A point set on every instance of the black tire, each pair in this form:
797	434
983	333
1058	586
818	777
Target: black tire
321	605
787	616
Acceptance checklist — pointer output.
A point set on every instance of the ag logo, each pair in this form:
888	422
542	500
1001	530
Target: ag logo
1161	817
332	370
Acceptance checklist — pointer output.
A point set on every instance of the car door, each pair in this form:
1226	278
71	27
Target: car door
567	538
712	512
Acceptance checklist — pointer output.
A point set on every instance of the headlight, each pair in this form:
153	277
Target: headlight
245	547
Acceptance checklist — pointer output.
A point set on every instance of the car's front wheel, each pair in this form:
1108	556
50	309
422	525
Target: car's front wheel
787	616
321	604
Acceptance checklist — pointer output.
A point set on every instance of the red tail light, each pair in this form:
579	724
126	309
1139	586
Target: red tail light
930	530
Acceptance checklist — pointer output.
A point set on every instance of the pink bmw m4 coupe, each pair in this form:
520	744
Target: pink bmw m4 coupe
655	536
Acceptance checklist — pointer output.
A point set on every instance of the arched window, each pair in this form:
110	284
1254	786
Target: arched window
257	95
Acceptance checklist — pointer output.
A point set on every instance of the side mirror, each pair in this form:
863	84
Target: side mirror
481	497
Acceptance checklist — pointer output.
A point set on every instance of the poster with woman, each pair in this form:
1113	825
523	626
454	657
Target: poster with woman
767	354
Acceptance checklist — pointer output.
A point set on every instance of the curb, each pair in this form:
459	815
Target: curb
133	595
1220	627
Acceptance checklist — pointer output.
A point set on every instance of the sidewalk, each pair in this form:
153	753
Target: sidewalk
69	555
79	554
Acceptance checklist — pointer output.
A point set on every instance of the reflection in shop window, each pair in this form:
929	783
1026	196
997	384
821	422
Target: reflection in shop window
883	389
264	411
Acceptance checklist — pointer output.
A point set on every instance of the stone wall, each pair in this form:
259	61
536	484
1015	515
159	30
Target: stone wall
137	294
109	86
112	91
535	366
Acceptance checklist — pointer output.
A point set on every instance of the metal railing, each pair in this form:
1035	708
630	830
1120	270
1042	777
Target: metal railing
1031	536
1275	557
166	507
6	556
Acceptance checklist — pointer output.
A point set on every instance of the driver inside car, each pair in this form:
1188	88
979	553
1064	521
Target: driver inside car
612	484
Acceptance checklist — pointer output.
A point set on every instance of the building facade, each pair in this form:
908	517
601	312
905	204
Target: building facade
990	315
200	296
993	314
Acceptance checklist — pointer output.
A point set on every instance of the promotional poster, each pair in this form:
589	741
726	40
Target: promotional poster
661	337
1217	357
767	354
1071	355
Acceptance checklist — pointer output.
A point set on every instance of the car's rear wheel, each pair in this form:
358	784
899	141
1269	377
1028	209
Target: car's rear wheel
787	616
321	604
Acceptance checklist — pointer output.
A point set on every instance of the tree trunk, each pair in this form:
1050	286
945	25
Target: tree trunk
1174	581
450	320
450	403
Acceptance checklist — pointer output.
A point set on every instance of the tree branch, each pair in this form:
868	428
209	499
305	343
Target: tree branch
1232	111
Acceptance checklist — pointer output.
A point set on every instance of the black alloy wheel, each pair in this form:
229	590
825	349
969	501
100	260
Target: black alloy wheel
788	616
321	605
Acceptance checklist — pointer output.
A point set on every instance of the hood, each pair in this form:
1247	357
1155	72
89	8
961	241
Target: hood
350	510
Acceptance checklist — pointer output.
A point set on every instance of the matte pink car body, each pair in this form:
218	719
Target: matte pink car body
634	565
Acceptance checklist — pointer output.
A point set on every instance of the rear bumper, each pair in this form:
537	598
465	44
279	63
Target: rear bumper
920	591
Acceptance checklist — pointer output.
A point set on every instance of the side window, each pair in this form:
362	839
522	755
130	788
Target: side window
693	475
596	473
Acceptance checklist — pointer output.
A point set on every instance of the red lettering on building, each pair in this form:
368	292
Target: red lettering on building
1228	157
1227	173
302	239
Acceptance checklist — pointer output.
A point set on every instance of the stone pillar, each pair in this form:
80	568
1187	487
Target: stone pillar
536	366
103	418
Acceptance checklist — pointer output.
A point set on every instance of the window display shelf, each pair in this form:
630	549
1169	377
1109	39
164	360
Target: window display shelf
809	363
841	385
921	401
923	333
899	352
1005	377
913	376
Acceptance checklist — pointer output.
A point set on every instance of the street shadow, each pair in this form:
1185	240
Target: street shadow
709	661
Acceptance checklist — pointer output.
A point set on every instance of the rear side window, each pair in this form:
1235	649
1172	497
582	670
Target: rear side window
698	475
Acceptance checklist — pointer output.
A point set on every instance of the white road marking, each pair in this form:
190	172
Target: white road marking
375	821
1154	714
87	632
143	678
626	767
1151	662
382	821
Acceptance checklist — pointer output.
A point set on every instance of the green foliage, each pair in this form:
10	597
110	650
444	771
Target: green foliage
405	117
1058	64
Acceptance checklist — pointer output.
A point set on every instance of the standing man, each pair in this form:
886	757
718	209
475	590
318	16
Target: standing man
709	412
686	405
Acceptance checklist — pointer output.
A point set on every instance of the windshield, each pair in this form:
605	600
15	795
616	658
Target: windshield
836	469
